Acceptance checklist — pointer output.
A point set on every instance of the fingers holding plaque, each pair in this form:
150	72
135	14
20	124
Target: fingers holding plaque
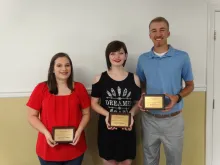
154	101
63	134
120	120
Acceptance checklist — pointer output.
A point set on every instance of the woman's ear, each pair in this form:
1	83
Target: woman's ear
126	56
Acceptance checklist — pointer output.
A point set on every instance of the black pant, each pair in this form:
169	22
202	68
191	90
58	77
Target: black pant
76	161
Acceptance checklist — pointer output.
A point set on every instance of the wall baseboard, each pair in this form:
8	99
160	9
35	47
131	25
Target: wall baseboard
27	94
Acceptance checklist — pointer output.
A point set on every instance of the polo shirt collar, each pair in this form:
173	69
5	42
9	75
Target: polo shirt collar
169	53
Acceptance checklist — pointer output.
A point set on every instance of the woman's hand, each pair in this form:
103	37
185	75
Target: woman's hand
107	123
49	139
141	103
131	125
76	137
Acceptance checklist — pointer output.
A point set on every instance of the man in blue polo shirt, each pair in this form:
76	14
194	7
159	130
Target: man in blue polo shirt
162	71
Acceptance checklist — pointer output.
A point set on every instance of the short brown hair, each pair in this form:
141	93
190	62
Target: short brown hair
114	46
159	19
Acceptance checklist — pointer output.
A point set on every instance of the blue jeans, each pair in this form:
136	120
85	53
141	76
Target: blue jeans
76	161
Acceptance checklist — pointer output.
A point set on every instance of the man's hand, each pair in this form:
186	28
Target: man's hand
173	101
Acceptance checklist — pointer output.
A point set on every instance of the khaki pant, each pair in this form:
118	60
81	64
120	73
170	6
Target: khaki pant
169	131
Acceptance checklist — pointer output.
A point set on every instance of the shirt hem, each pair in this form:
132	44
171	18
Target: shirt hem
64	159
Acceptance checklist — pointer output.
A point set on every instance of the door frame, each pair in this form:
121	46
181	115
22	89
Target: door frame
212	8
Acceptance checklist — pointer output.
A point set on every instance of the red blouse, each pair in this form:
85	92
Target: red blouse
59	111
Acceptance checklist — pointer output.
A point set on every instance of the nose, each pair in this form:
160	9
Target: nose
118	55
64	68
158	35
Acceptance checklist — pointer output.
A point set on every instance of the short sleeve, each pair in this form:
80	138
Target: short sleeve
83	96
139	71
96	90
36	97
187	74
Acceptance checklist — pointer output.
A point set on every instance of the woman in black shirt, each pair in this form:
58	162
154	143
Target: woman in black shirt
116	90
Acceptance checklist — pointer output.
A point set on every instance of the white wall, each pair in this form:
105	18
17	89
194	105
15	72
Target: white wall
33	31
214	1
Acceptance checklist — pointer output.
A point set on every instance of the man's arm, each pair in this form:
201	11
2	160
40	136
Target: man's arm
188	89
187	76
183	93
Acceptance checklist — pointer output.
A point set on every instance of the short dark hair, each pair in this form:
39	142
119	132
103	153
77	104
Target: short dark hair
51	79
159	19
114	46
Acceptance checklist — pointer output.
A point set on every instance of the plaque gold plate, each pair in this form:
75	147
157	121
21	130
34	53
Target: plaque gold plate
154	101
63	134
120	120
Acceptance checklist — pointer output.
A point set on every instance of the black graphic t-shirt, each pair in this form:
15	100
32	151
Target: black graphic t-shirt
116	96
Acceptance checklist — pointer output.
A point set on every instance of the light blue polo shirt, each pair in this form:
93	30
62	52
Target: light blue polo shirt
165	74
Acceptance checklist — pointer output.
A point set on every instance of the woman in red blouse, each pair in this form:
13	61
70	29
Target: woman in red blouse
59	102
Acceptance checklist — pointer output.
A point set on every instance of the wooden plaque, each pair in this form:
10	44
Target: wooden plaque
120	120
63	134
154	101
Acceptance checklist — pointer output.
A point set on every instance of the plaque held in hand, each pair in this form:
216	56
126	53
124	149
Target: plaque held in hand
63	134
154	102
119	120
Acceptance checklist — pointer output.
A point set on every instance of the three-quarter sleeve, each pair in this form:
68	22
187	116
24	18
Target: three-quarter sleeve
36	97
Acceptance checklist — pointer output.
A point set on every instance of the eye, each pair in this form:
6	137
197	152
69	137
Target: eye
58	65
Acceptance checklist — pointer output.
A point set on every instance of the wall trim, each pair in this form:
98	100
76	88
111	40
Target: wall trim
212	8
27	94
209	98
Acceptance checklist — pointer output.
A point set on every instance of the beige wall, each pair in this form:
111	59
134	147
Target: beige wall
17	138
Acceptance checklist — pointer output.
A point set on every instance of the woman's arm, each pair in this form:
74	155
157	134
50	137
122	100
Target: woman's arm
95	101
135	108
97	108
85	119
33	119
82	125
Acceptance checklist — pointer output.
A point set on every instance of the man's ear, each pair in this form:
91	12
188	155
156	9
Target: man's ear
149	35
168	33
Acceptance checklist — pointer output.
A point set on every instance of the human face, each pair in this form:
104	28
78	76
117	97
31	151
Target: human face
62	68
118	58
159	33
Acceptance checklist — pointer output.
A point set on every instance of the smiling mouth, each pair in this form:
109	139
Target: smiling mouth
64	73
117	61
